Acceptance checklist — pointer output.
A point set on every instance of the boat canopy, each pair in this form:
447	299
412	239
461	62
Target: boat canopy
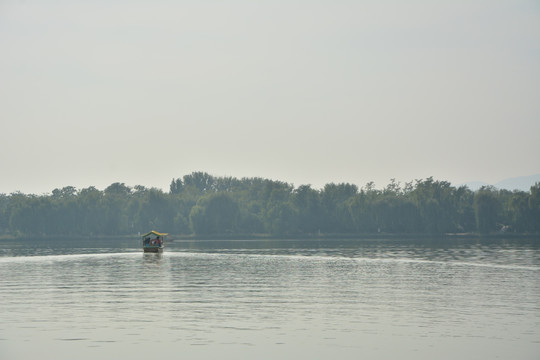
153	232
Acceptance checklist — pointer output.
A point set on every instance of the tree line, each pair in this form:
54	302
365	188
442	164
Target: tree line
202	204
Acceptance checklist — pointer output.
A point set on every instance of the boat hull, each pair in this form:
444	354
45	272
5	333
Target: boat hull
152	249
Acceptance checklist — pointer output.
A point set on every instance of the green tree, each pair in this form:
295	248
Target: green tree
201	181
281	218
215	213
519	211
115	202
436	205
486	207
465	216
276	206
155	211
534	207
93	211
4	213
334	200
176	187
203	204
307	205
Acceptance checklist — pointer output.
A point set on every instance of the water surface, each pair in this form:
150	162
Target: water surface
270	300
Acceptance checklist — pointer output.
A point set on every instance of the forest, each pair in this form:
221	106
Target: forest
200	204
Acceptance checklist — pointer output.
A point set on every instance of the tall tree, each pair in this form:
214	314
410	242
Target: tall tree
176	187
307	204
534	206
214	213
201	181
486	208
334	198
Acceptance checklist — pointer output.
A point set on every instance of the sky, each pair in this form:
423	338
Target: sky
306	92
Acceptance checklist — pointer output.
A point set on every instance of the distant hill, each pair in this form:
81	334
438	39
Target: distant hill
522	183
518	183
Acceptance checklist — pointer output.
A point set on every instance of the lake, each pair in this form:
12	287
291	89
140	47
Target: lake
340	299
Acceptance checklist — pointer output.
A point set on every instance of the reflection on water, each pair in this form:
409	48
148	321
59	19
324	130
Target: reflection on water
283	299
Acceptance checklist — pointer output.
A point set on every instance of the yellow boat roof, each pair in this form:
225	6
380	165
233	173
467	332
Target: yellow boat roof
155	233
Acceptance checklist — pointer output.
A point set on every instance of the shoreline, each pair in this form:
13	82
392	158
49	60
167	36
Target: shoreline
263	237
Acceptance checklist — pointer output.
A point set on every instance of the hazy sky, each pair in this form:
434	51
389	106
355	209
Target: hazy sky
308	92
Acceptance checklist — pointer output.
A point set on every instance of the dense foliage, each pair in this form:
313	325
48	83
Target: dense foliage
203	204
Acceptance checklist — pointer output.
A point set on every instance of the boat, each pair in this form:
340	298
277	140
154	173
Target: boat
153	241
